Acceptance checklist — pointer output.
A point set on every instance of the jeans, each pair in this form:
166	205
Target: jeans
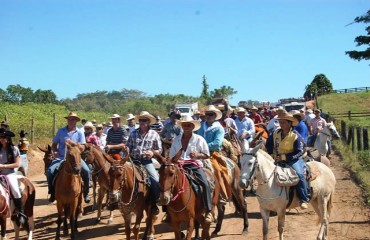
302	186
85	174
154	179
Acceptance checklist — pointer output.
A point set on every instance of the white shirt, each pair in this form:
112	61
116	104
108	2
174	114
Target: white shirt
196	144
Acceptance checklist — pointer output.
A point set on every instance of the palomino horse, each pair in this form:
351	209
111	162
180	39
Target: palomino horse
28	199
321	142
68	190
256	163
183	204
102	163
128	188
48	157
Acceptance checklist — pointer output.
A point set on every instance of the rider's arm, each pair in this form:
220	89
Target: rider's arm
16	162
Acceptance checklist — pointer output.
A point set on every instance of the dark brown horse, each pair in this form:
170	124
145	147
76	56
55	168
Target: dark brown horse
128	187
183	204
48	157
102	163
68	190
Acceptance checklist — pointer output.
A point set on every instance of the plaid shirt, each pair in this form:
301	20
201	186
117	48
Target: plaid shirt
138	145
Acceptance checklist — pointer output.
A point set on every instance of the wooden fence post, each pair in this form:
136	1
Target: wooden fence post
349	115
350	136
54	123
365	136
359	138
32	130
344	130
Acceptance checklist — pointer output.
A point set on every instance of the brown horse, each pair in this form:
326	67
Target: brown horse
48	157
4	210
28	192
128	188
68	190
102	163
183	204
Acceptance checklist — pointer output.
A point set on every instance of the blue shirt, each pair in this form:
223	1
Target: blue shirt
302	129
245	125
213	134
62	135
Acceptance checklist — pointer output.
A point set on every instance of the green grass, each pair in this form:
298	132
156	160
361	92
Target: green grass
359	161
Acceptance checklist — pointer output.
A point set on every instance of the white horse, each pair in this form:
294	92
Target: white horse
321	142
256	163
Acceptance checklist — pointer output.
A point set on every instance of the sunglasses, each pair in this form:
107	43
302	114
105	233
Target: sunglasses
210	114
143	120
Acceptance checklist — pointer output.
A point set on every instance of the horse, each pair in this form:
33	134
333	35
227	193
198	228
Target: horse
128	187
321	142
48	157
28	199
28	192
183	203
102	163
256	163
68	194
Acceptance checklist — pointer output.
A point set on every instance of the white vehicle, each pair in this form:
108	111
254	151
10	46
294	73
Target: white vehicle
294	106
187	108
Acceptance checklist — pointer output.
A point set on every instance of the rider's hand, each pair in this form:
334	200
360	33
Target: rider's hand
148	154
194	155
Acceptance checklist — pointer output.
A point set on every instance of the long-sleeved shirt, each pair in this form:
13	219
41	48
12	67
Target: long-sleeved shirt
213	134
138	144
62	135
245	125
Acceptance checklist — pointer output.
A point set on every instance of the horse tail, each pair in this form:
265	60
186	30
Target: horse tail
330	204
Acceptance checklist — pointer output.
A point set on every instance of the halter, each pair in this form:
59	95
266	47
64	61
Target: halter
124	181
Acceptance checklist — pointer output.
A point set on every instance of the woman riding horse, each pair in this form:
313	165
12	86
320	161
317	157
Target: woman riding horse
287	145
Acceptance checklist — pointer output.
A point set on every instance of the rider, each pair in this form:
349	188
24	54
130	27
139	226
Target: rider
117	137
171	129
315	125
9	160
286	145
193	149
214	133
246	129
73	135
141	143
23	145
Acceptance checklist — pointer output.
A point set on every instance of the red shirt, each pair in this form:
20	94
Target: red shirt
256	118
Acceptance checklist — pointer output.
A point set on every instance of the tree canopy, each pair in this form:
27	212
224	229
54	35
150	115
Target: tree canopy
320	85
362	40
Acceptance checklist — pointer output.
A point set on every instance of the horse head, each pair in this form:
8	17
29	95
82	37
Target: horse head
116	180
88	154
167	179
48	157
73	157
248	164
333	130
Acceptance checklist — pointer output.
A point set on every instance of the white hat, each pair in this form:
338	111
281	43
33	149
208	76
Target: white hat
130	116
89	124
188	119
254	108
212	108
115	116
295	112
309	110
145	114
240	109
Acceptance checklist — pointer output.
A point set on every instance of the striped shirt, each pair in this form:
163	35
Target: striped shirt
115	137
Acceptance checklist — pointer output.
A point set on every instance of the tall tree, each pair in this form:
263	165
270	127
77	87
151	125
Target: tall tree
223	92
362	40
205	94
320	85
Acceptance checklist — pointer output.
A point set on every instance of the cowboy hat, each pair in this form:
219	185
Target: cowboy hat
295	112
309	110
240	109
174	114
212	108
89	124
130	116
6	133
188	119
73	115
317	110
284	115
115	116
145	114
23	133
254	108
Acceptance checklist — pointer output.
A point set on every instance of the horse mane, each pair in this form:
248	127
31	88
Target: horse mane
266	155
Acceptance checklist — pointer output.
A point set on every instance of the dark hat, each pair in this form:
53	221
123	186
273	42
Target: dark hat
5	123
174	114
6	133
23	133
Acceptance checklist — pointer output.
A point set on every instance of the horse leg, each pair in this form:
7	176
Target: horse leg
206	227
31	227
190	228
127	219
220	218
65	223
320	207
94	177
3	226
265	222
281	223
239	200
101	193
136	228
176	227
196	227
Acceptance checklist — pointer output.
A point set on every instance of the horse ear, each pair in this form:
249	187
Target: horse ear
256	148
244	145
176	158
42	149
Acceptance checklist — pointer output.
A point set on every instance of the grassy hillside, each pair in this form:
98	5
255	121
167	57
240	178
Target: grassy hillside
357	162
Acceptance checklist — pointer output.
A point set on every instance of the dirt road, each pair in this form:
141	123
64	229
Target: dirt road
349	219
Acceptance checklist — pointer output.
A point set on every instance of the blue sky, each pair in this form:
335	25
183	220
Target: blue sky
266	50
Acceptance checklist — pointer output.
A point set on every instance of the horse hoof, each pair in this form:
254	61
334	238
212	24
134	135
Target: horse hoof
182	235
97	221
110	222
214	234
245	232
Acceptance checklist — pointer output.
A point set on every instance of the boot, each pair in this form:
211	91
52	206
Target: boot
21	216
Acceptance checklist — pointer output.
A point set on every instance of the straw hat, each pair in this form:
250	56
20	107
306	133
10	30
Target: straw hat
130	116
240	109
188	119
115	116
295	112
99	125
6	133
73	115
145	114
254	108
317	110
89	124
284	115
212	108
309	110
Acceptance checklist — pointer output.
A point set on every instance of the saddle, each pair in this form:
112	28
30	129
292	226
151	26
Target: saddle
142	171
194	181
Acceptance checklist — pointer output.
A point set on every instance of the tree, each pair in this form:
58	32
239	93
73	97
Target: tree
205	94
19	94
44	96
223	92
362	40
320	85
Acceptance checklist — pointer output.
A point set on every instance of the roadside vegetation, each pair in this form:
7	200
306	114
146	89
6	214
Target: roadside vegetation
359	161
